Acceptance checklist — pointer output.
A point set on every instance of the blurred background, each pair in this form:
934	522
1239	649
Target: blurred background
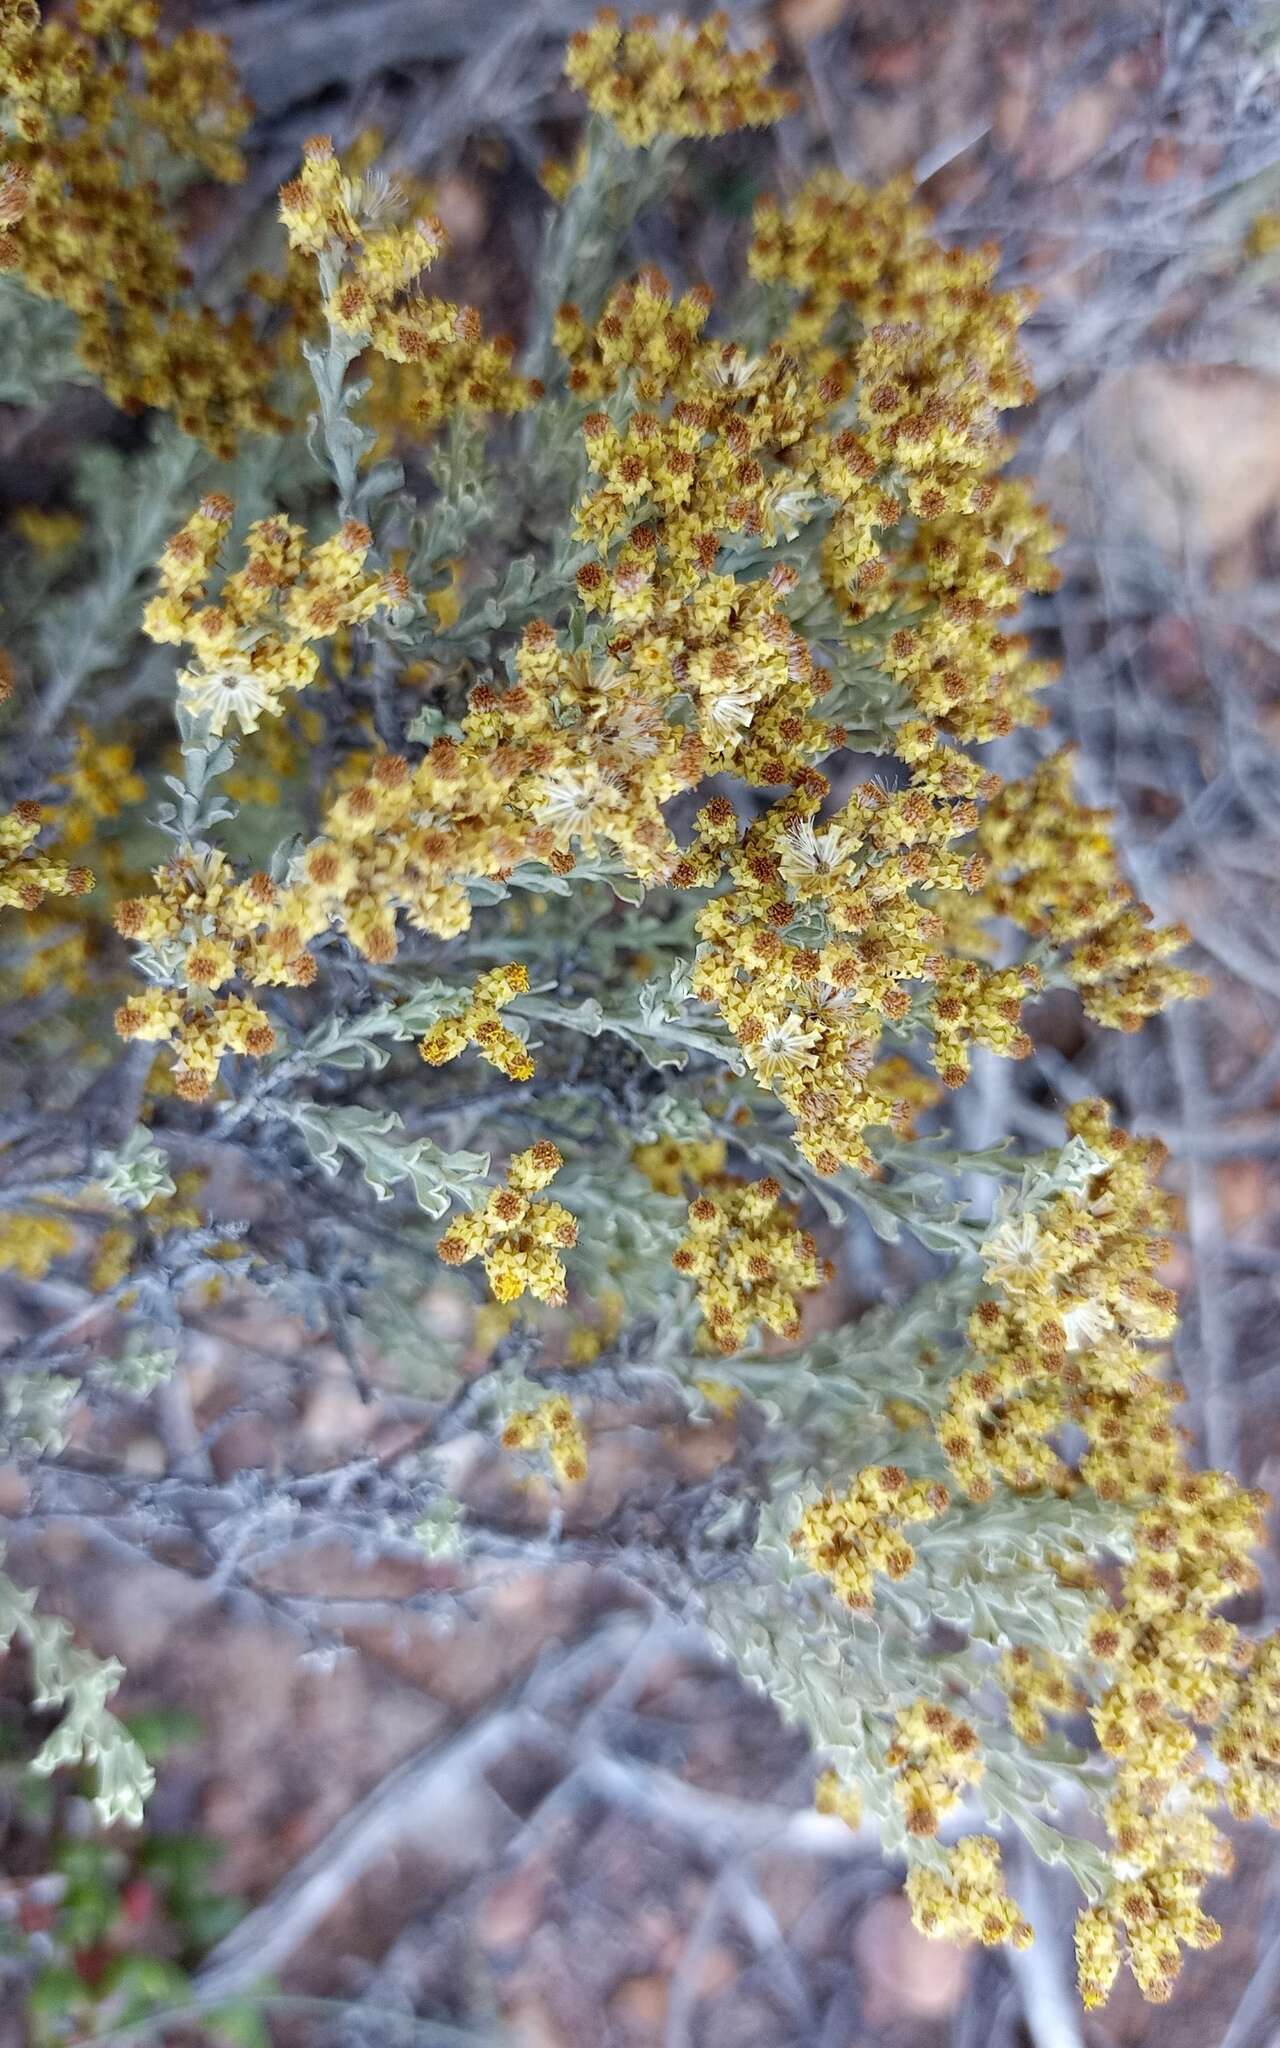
518	1808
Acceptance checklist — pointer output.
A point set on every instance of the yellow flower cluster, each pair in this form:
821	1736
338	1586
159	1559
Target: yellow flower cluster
962	1897
674	80
554	1427
1066	1340
669	1164
101	782
80	217
934	1754
934	355
256	641
850	1537
809	1017
376	262
214	931
683	661
597	1324
749	1261
480	1024
1144	1923
1067	1343
1170	1662
68	937
1054	872
27	873
1247	1743
519	1240
726	451
835	1795
519	785
29	1243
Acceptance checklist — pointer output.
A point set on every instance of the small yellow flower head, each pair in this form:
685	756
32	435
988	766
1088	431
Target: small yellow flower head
602	1321
749	1261
112	1258
521	1241
558	179
961	1896
648	81
1263	235
321	204
46	531
719	1396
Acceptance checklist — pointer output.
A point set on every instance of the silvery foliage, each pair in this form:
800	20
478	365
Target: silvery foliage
133	1176
71	1680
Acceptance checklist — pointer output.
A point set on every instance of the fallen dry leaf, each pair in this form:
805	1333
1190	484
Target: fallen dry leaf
1182	456
904	1974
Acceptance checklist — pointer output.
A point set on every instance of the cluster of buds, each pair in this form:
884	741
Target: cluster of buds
934	1755
257	641
80	221
670	1165
1064	1339
850	1537
1054	872
649	81
27	873
959	1895
371	265
209	931
520	1240
749	1261
478	1023
554	1428
1036	1683
1247	1743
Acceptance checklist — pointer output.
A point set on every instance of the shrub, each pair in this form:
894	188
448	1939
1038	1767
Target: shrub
527	710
